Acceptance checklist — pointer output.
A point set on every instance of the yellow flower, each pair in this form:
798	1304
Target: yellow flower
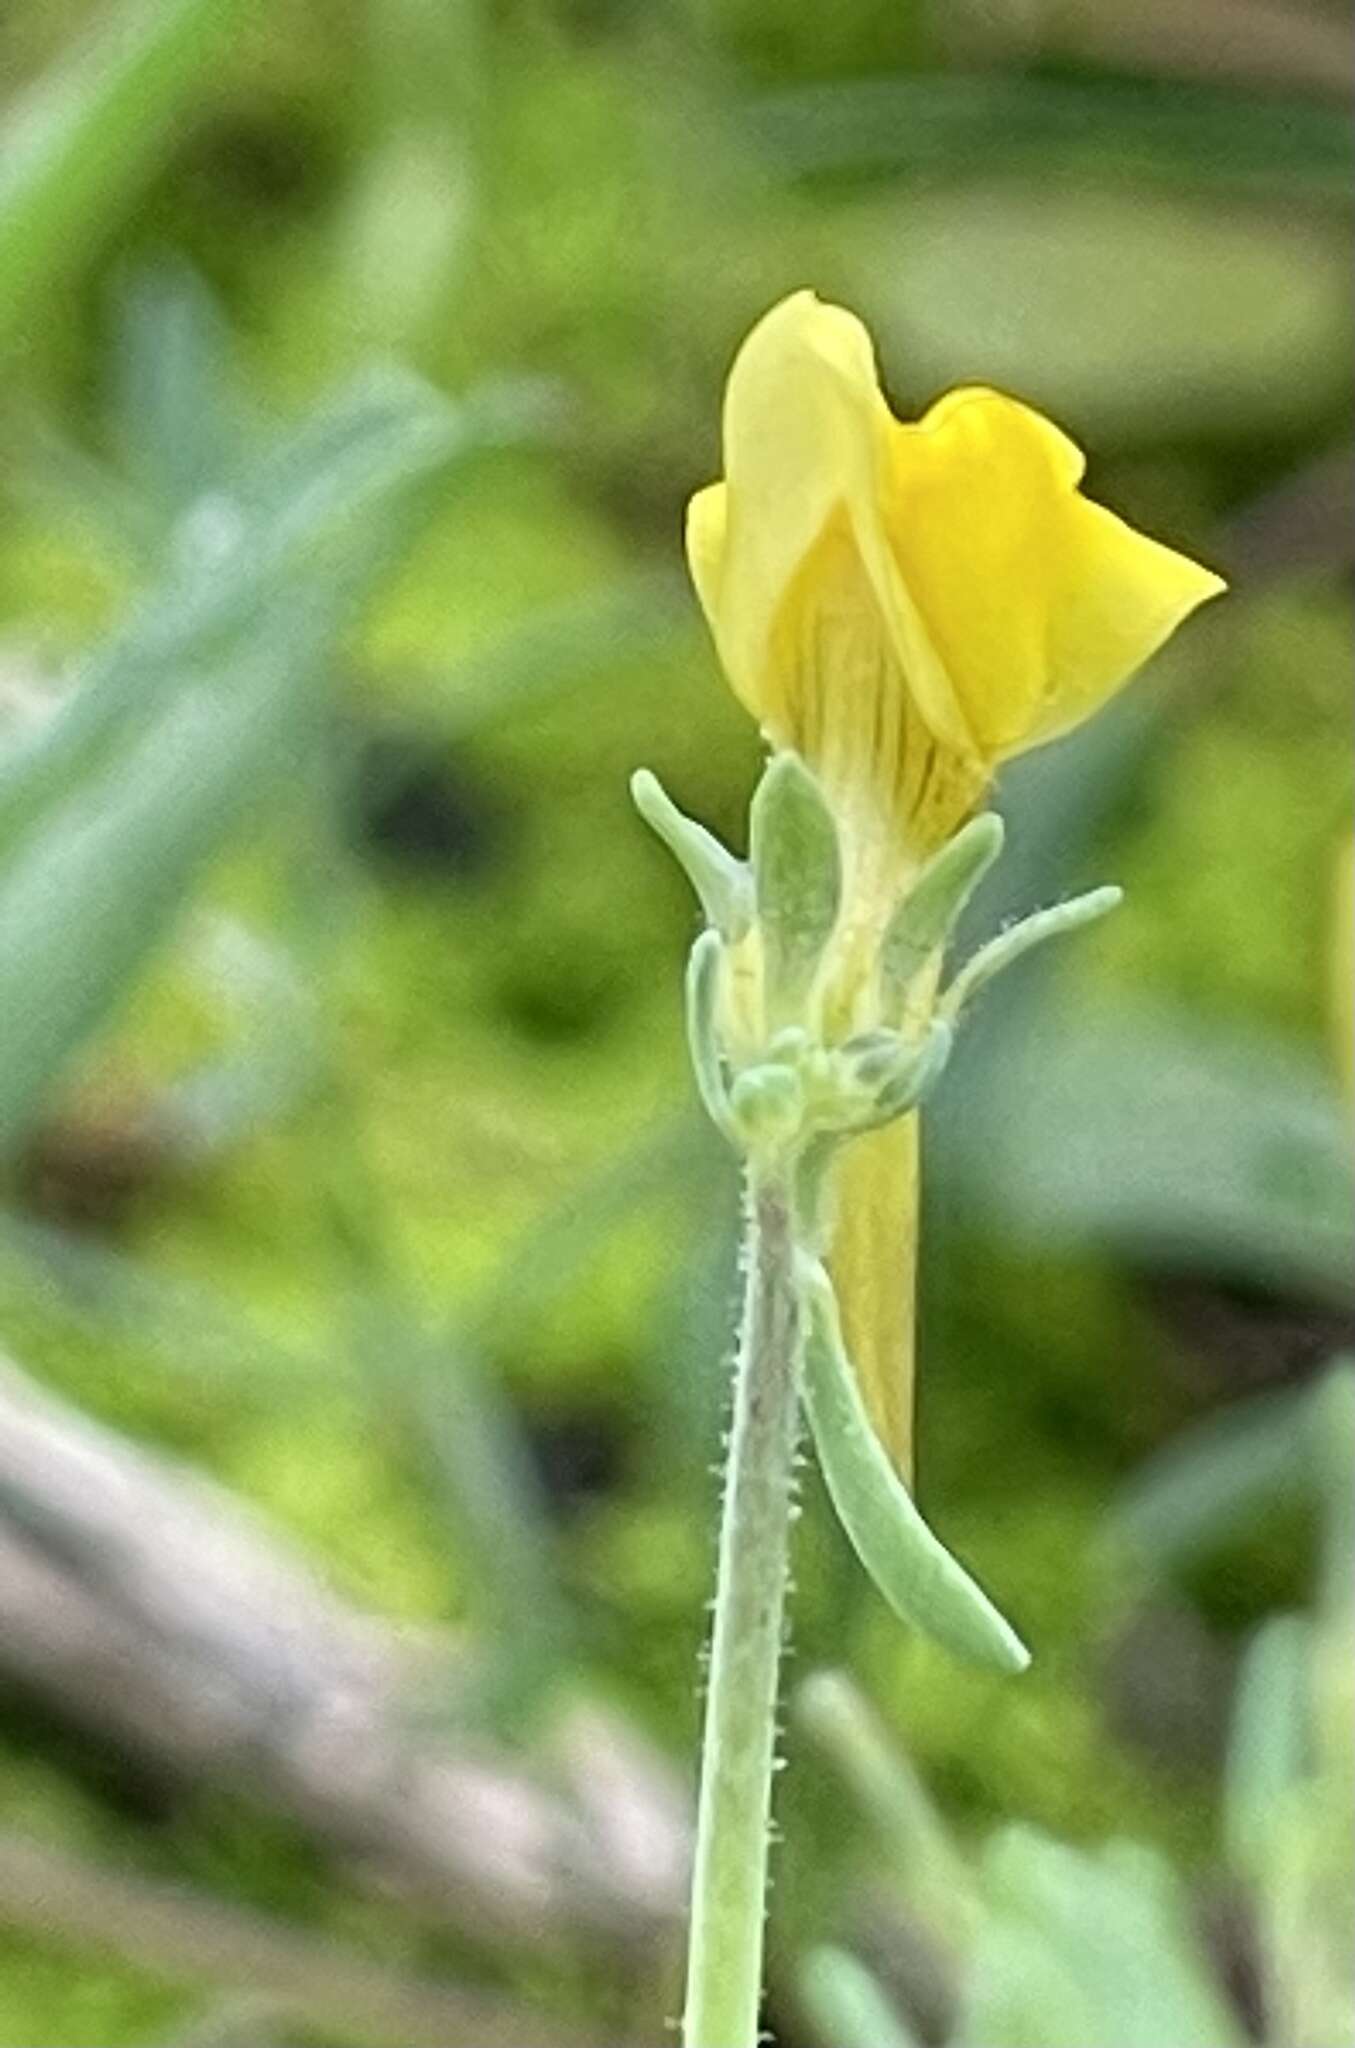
906	605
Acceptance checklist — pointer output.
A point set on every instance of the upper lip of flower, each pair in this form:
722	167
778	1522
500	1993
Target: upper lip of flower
1005	605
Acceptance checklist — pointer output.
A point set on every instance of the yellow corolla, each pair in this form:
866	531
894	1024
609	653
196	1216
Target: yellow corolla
907	605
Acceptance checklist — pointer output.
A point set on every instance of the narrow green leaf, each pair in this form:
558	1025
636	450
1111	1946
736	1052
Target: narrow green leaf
1270	1748
204	699
723	884
90	889
340	463
913	1570
848	2005
1232	1150
1176	130
1084	1948
343	471
833	1711
1212	1479
797	874
79	140
1019	1990
554	648
113	1298
927	915
179	427
1331	1434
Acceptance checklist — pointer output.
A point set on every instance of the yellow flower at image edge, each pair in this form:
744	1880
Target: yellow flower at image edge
906	606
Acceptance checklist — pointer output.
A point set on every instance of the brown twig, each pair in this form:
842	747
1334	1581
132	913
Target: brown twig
146	1604
180	1934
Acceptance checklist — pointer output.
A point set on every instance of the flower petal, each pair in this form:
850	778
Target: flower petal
1121	596
806	433
790	444
1038	602
707	523
815	627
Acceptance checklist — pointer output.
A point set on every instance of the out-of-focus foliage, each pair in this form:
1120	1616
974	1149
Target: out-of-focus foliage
357	363
1048	1944
79	139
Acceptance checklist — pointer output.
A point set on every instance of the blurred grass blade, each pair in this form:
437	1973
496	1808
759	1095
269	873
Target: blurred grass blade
208	696
1055	803
342	461
555	647
463	1422
554	1250
1020	1991
79	140
1081	1949
1213	1478
88	892
1331	1436
339	471
847	2004
833	1711
1270	1751
439	1386
272	1058
83	497
496	1512
1230	1151
1136	129
174	416
91	1292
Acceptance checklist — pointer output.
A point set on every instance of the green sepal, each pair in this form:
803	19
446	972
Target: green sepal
926	917
766	1105
722	883
915	1075
872	1056
1018	939
913	1570
797	877
888	1075
704	963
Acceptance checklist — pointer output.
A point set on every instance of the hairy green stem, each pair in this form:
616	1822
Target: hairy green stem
729	1882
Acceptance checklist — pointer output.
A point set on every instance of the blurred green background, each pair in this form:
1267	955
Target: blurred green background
357	364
